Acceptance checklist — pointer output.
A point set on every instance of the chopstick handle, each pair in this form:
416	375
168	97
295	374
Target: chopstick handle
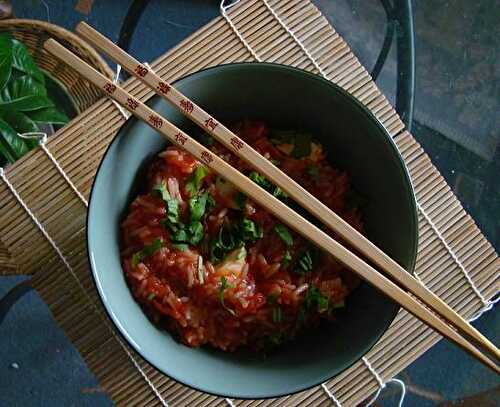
292	188
262	197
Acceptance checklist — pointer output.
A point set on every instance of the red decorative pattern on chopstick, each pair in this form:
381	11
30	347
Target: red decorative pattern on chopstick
141	70
156	121
109	88
211	123
206	157
132	103
180	138
187	106
162	87
236	143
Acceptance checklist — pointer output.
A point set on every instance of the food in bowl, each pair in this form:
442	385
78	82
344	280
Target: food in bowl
212	267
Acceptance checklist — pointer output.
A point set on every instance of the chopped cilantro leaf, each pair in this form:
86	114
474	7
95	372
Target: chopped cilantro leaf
259	179
305	262
161	191
195	233
250	231
315	299
197	206
223	286
194	182
277	315
312	171
287	258
182	247
240	200
284	234
279	193
272	299
151	296
302	145
146	251
171	204
263	182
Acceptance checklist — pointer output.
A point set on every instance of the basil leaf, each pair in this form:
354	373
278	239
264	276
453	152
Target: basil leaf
194	183
197	206
283	232
48	115
13	147
23	61
5	59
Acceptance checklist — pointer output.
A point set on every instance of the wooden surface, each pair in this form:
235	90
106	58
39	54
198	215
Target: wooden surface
80	145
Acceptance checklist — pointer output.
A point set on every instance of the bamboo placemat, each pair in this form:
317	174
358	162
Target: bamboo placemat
79	146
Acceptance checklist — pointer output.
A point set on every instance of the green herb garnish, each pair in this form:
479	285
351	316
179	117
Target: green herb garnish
171	204
250	231
287	258
222	288
277	315
182	247
312	171
194	182
240	200
272	299
284	234
195	232
259	179
263	182
314	299
151	296
146	251
305	262
197	206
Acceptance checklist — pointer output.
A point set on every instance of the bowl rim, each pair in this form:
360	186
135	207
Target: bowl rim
121	330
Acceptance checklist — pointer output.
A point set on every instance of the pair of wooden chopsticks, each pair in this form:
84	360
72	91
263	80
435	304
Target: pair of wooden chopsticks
442	311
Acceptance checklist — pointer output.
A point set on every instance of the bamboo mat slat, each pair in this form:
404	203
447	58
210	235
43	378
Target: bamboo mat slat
79	146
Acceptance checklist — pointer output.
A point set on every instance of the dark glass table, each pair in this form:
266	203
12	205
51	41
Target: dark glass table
445	89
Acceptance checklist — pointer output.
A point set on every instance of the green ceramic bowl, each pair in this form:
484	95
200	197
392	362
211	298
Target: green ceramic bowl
284	98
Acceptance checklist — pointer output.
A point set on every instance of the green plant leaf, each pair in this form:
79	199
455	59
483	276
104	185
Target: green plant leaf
27	103
10	138
5	59
48	115
23	61
26	86
21	123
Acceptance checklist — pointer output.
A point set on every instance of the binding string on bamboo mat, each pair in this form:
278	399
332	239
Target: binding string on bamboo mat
54	203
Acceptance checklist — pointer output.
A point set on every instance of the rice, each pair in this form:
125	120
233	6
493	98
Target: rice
227	278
